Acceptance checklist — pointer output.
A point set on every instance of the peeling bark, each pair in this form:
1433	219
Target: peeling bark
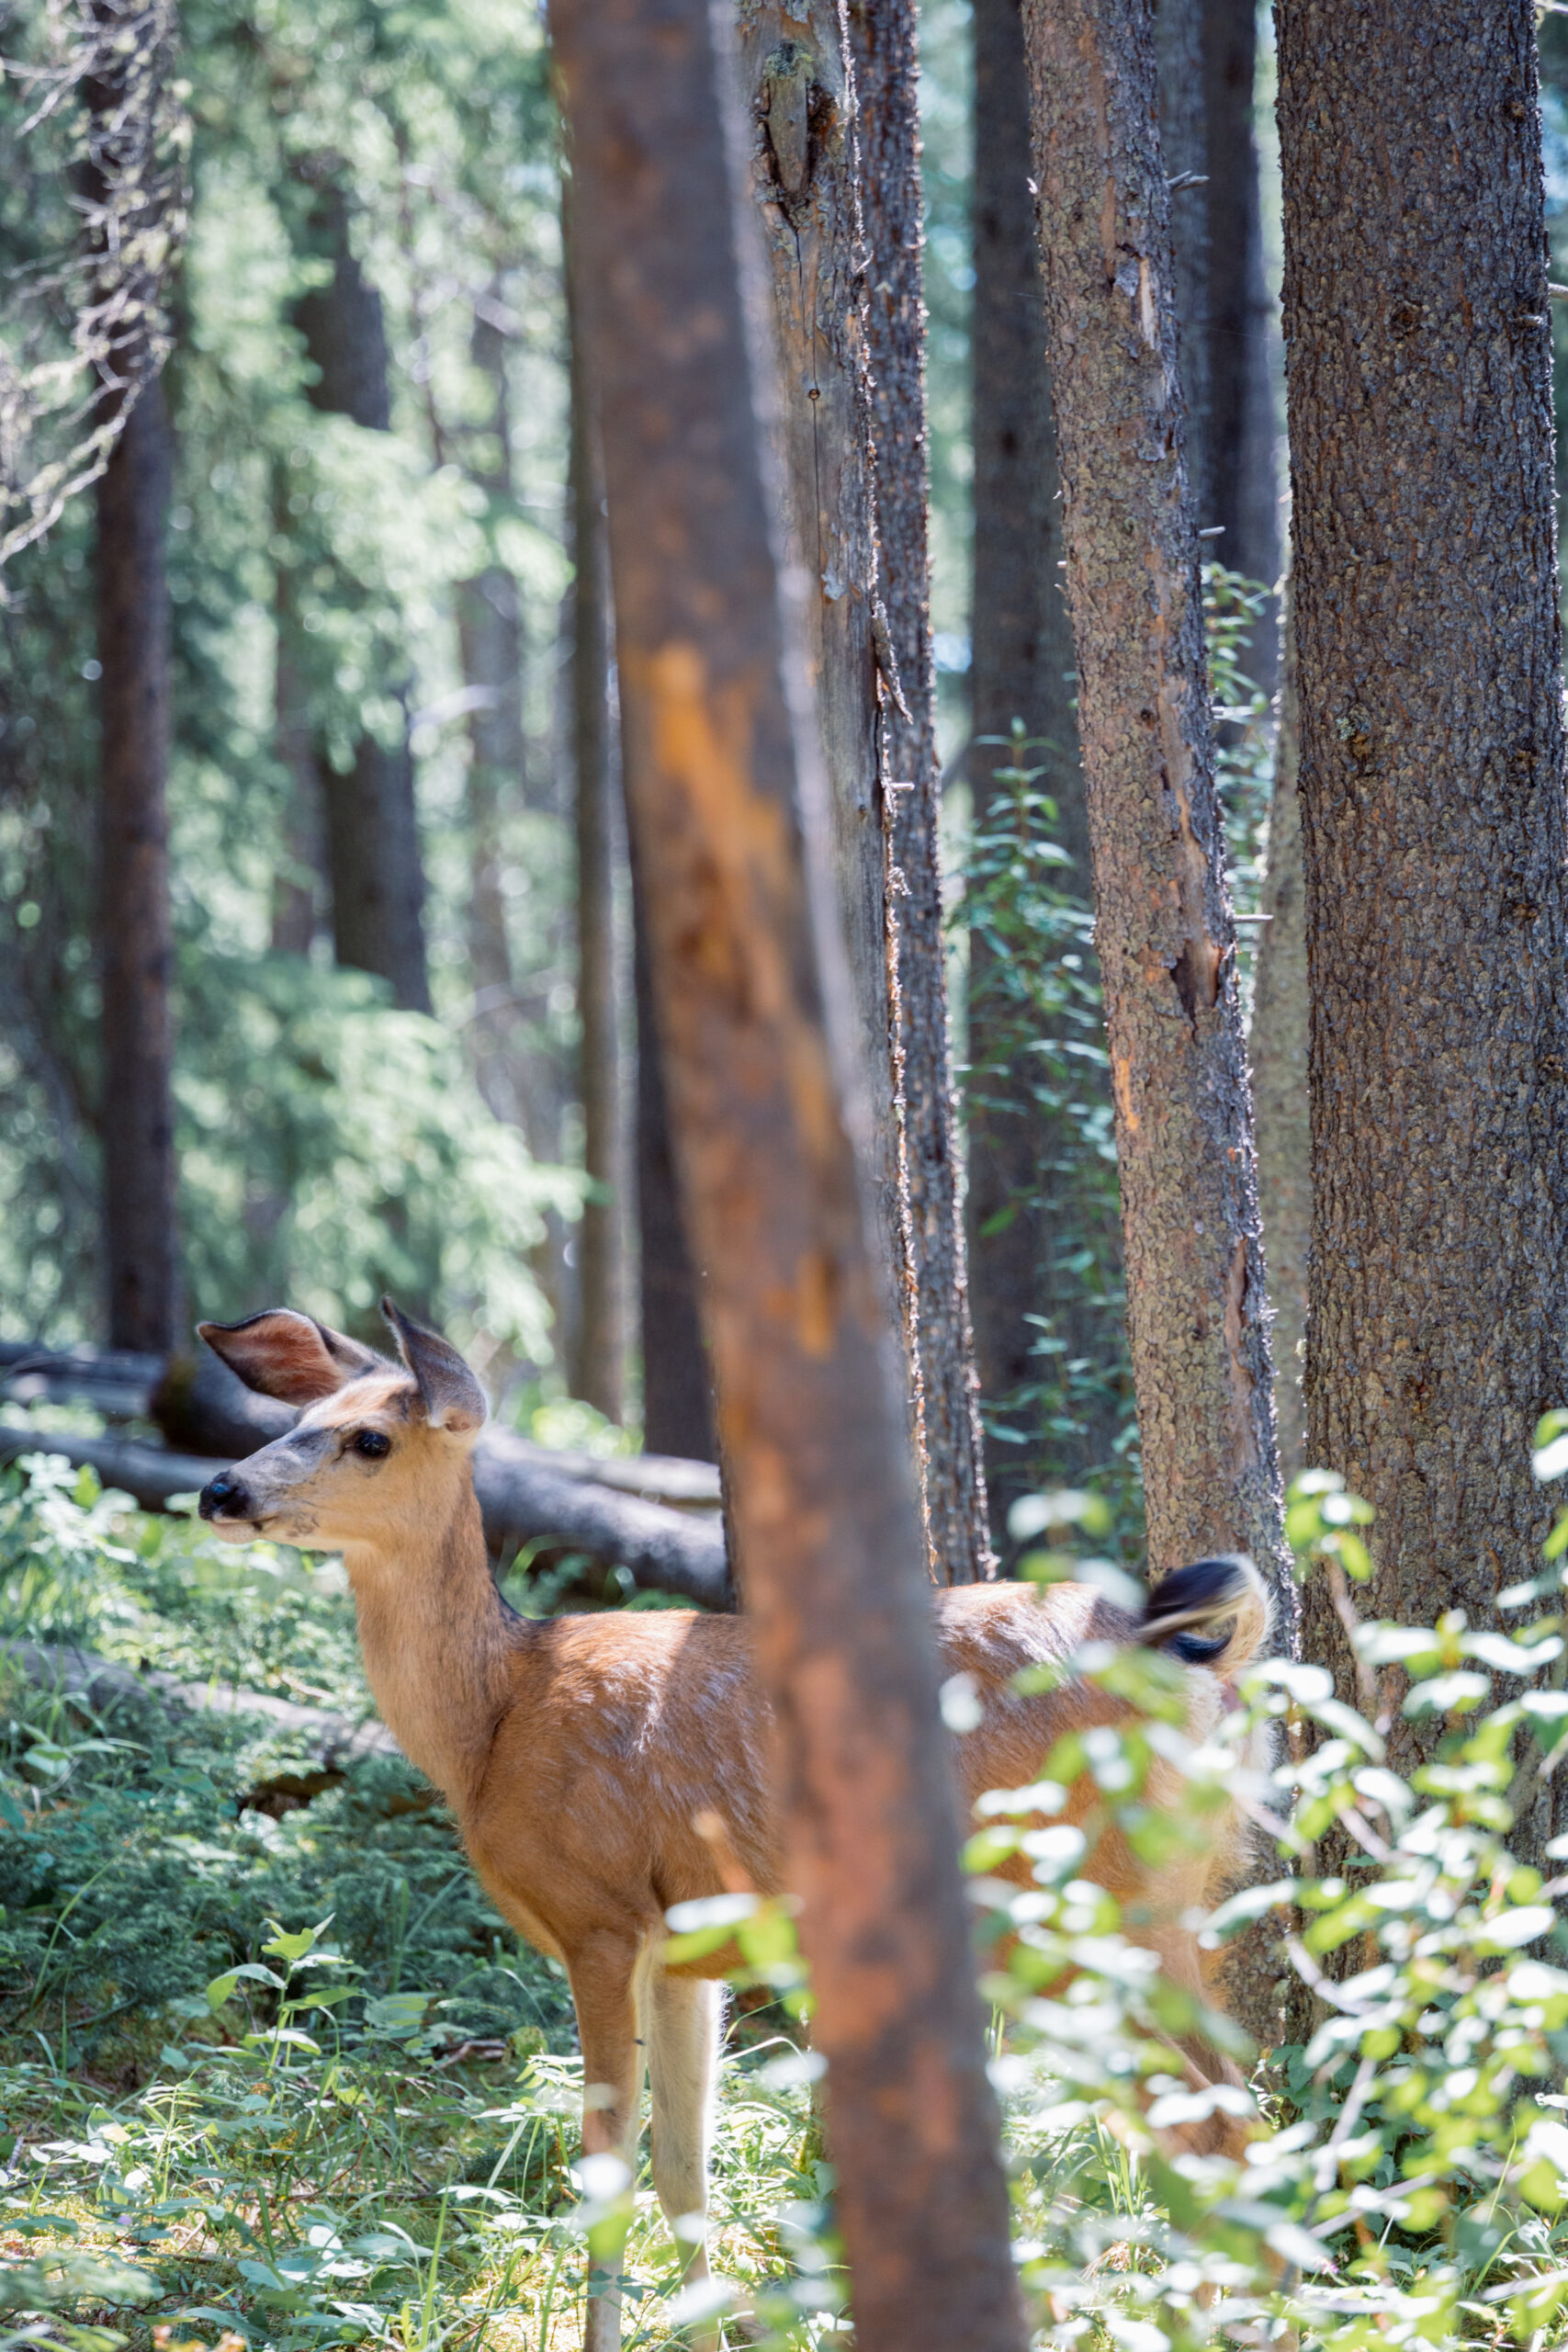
761	1033
1166	940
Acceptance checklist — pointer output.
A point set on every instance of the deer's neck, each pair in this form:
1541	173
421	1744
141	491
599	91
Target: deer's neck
441	1647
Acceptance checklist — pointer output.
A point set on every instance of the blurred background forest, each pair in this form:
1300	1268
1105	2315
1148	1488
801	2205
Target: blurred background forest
377	602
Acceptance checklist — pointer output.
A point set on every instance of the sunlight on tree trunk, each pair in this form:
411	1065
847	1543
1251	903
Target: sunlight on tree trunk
761	1036
1278	1054
805	165
1196	1305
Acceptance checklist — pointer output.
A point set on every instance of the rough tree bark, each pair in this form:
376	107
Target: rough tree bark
760	1029
1278	1054
372	826
136	950
1028	1204
1243	488
1196	1305
796	72
1419	375
885	45
598	1368
1184	148
677	1386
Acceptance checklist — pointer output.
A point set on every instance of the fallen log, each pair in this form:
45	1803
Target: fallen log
202	1410
527	1502
326	1745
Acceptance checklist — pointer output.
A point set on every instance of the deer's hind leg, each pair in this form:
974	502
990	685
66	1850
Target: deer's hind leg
683	2014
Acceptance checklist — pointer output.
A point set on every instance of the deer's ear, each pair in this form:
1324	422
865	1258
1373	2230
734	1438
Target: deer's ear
291	1356
452	1397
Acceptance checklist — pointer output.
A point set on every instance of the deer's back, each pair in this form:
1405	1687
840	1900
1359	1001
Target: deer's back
624	1731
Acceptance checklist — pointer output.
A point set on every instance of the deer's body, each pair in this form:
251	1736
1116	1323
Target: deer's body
586	1758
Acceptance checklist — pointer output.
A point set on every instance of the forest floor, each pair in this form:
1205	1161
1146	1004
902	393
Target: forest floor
271	2067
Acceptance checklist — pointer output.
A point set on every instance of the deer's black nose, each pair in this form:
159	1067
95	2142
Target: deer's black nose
225	1496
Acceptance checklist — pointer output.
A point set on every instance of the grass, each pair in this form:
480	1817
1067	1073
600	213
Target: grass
274	2069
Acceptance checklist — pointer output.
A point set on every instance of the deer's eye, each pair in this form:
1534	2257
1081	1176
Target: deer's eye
371	1444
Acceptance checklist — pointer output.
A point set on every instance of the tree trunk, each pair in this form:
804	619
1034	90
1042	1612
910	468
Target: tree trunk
1419	374
1195	1304
136	949
805	170
761	1031
1243	486
1033	1178
372	827
677	1386
1278	1054
884	44
598	1367
1184	149
294	887
489	646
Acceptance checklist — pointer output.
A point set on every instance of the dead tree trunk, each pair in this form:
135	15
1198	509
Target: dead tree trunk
372	825
887	62
1196	1305
598	1365
295	886
1243	490
1035	1191
136	950
796	72
1424	575
761	1031
1278	1056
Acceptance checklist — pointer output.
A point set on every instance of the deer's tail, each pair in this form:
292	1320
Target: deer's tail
1215	1614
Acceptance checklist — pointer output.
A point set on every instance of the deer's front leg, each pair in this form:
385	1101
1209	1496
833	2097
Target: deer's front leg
603	1971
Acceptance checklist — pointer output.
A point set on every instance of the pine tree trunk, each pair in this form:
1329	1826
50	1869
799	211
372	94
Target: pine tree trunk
760	1029
1278	1054
597	1368
1184	147
677	1386
1196	1305
1030	1178
294	887
1244	490
884	38
135	934
1419	375
372	825
797	75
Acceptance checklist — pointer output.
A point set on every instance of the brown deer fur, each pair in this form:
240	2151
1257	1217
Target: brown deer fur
584	1757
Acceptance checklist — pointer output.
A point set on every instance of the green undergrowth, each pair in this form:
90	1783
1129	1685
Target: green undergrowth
273	2076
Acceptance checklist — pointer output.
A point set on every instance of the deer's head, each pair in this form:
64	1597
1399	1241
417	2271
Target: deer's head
376	1445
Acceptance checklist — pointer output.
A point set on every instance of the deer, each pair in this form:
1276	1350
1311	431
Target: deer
604	1767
